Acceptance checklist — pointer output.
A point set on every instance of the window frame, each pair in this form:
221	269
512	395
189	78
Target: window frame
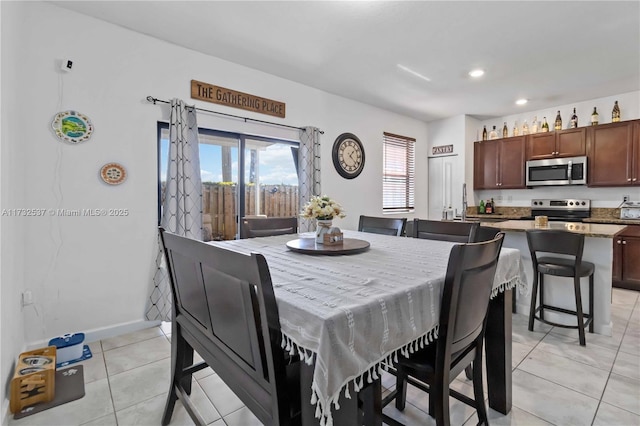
398	174
241	138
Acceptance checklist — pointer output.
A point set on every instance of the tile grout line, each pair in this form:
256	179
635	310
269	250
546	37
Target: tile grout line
113	405
604	389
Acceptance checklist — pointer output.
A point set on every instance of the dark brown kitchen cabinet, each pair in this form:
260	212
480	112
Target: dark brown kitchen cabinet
614	154
626	252
499	164
561	143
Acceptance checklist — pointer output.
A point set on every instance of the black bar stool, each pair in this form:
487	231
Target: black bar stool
572	266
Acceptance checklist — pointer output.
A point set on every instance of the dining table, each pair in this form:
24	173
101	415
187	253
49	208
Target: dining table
349	316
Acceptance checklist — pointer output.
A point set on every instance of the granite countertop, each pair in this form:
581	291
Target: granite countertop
597	230
612	221
505	216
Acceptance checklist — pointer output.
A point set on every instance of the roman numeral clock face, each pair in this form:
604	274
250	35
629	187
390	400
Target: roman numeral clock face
348	155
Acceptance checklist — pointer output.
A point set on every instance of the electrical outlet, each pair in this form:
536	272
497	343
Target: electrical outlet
625	198
499	198
27	298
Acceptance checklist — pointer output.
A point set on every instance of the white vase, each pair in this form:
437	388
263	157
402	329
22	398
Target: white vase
322	227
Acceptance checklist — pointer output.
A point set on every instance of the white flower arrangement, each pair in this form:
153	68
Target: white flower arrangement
322	208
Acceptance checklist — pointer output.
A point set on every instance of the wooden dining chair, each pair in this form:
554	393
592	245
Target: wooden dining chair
224	308
465	301
483	233
266	227
459	232
382	225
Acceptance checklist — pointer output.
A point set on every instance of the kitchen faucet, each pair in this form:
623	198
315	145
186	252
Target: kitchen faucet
464	202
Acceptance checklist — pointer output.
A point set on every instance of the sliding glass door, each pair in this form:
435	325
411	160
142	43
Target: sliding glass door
242	176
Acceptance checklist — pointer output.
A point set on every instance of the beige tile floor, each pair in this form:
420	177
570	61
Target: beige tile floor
555	381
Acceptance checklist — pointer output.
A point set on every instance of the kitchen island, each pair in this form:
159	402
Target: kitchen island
598	249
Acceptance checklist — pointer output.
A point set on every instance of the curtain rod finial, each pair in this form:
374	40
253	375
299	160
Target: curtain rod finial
151	99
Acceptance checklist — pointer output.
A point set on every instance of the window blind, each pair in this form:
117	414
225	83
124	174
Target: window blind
398	182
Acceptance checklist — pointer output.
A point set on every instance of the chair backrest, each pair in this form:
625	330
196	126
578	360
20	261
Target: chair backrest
225	308
483	233
555	241
459	232
467	291
382	225
266	227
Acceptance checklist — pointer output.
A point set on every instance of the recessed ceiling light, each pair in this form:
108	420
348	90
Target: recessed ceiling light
476	73
521	101
410	71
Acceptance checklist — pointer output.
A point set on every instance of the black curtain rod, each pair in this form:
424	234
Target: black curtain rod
153	100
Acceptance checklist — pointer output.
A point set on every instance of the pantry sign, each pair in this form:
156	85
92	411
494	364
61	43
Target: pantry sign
232	98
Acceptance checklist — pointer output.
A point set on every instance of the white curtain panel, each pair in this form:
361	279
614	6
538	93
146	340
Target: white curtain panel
309	175
182	205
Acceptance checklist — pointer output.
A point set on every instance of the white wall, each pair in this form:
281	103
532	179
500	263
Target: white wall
601	197
12	340
89	273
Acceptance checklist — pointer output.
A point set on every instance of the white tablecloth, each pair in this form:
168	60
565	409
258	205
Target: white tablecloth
353	313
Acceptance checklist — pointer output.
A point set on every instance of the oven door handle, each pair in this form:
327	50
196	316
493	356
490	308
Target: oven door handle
569	173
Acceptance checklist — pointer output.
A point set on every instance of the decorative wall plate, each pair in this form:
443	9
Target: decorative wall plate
113	173
72	126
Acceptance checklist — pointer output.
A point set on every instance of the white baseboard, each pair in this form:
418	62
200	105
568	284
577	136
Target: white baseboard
107	332
7	413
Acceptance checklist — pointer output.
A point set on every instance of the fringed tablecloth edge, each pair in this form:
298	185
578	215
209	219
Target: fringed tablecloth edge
373	371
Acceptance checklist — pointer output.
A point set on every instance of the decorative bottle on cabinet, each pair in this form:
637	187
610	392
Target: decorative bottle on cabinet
615	114
484	133
558	124
594	117
505	130
525	128
545	125
516	130
534	125
493	134
574	120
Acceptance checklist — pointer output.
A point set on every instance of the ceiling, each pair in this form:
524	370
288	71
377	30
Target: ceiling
552	53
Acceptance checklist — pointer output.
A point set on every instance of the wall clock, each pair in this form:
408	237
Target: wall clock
348	155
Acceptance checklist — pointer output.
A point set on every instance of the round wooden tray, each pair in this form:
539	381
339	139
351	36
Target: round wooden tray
309	246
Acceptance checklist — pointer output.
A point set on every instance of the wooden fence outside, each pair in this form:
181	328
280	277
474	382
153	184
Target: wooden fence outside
219	206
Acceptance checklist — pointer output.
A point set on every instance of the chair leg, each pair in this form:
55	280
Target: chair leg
576	285
440	395
478	391
401	388
468	372
177	361
534	296
541	296
591	311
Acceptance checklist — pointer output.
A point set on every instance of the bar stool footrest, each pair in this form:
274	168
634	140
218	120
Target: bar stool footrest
588	318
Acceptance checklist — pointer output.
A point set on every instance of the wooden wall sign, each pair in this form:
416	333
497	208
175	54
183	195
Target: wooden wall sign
442	149
232	98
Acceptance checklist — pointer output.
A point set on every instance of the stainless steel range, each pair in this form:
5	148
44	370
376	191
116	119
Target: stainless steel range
569	210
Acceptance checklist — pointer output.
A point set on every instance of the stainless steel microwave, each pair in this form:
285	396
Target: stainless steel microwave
557	171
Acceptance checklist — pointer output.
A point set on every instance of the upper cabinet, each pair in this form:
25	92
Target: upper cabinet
499	163
561	143
614	154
